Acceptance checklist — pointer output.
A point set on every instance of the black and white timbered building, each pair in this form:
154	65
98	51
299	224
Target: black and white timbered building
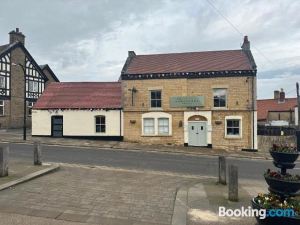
21	79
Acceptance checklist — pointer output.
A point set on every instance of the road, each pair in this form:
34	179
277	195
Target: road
138	160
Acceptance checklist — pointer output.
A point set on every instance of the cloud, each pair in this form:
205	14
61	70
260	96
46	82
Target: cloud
89	40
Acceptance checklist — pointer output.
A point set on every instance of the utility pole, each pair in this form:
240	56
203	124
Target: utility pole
298	130
298	105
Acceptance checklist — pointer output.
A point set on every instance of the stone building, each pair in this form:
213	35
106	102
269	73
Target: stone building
193	99
15	61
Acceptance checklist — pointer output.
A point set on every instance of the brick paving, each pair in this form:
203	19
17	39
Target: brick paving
98	196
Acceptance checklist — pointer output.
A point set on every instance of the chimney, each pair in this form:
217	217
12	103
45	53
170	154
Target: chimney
246	44
276	94
281	95
15	36
131	54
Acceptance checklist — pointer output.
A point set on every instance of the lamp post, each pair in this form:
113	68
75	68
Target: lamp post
24	116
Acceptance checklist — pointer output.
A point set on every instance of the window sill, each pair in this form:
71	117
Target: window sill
155	109
156	135
233	137
220	108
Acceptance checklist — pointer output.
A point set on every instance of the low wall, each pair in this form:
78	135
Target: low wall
266	142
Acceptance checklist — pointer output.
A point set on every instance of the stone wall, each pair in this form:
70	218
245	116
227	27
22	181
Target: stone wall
239	104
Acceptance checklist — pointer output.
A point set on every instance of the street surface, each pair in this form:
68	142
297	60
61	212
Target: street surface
140	160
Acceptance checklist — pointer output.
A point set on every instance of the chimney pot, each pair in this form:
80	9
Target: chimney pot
281	95
246	44
131	54
17	30
276	94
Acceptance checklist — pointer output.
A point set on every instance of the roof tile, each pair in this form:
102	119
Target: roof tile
266	105
189	62
80	95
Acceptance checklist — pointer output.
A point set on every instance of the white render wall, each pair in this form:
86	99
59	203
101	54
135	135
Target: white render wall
77	122
296	116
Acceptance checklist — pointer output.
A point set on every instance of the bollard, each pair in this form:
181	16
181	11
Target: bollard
37	154
222	170
233	186
4	155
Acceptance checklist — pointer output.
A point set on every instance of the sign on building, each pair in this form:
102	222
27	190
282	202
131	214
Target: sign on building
186	101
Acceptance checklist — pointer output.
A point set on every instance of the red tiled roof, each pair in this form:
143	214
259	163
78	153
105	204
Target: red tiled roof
80	95
189	62
266	105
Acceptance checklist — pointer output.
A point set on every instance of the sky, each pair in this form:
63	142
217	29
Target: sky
89	40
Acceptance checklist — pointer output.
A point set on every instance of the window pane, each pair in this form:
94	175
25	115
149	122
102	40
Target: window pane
97	128
163	126
100	124
233	127
148	126
229	123
155	100
158	103
2	82
220	97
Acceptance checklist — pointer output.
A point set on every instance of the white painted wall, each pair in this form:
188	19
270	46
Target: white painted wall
77	122
207	115
296	116
255	130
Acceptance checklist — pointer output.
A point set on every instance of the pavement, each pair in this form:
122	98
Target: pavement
205	198
22	171
15	136
101	183
78	194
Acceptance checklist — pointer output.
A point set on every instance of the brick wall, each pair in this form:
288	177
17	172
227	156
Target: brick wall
17	89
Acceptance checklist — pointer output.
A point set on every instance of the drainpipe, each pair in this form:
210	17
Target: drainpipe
120	122
253	110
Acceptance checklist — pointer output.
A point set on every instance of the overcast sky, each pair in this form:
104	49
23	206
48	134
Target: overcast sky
88	40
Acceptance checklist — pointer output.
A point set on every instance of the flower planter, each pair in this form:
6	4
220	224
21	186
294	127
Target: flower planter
284	157
283	186
274	220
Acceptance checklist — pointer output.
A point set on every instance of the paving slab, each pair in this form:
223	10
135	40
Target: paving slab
95	195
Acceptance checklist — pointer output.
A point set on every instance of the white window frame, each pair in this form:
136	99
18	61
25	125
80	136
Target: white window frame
2	104
35	86
159	126
230	136
144	126
156	116
226	98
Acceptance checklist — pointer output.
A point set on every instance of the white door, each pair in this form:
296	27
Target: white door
197	133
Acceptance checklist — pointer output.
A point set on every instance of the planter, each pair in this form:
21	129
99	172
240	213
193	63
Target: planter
283	187
284	158
274	220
